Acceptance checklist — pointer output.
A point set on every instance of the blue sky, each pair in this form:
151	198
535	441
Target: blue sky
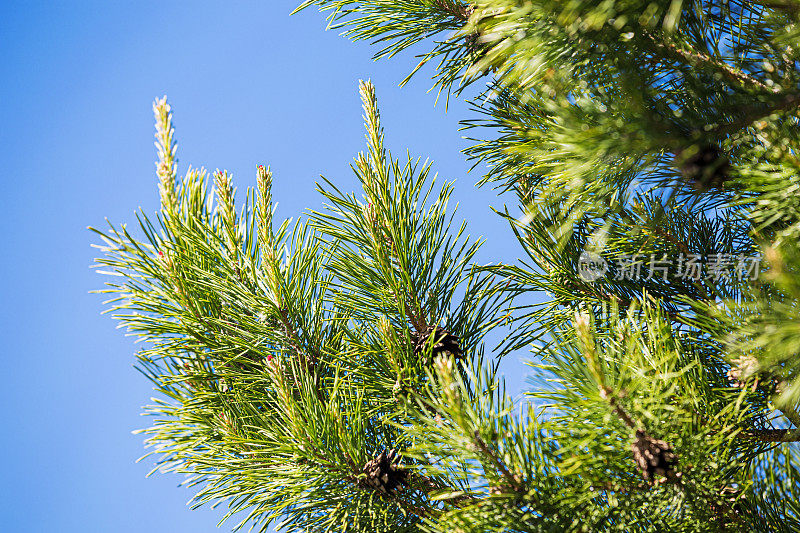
249	85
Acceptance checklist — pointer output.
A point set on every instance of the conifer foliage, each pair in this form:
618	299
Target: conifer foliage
332	374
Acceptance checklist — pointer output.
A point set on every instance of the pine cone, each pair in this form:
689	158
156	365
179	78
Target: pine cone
746	370
653	457
705	165
443	343
742	369
384	473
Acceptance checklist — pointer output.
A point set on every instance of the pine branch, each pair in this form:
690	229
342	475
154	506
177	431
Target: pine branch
281	356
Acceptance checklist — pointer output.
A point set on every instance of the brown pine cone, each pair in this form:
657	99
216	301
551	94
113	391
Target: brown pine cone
653	457
704	165
442	343
384	473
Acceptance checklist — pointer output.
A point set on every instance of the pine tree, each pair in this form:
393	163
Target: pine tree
333	374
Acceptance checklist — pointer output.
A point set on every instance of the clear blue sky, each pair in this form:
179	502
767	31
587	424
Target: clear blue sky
249	84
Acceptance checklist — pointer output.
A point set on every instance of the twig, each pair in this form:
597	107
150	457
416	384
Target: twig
455	9
608	395
786	103
513	480
696	59
309	359
792	415
790	7
774	435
